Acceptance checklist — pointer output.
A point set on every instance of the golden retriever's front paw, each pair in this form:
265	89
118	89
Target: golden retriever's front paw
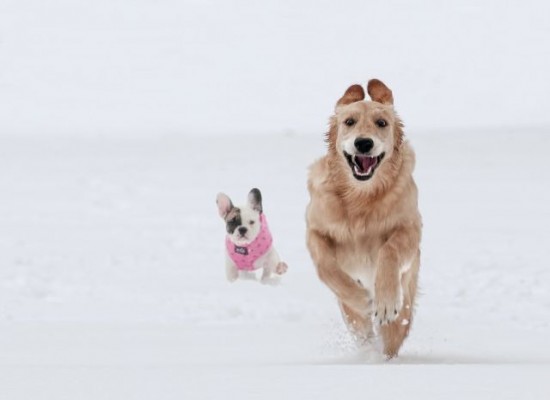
361	304
387	305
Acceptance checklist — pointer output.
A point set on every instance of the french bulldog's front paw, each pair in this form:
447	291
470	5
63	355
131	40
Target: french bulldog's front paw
387	306
281	268
232	274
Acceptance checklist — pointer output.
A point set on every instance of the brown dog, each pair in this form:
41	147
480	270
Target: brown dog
363	223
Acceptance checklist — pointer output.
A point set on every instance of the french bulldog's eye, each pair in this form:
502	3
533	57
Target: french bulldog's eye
251	222
381	123
350	122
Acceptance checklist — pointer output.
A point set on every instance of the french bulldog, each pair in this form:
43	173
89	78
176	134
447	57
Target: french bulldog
248	243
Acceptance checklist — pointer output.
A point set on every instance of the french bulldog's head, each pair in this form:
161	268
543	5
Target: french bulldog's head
242	223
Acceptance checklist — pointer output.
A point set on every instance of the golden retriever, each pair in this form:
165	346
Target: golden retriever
363	223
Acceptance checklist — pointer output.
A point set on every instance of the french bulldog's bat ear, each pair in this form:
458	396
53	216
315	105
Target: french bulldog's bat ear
379	92
255	199
224	204
353	94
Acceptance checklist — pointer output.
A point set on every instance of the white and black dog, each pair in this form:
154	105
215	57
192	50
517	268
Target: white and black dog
248	244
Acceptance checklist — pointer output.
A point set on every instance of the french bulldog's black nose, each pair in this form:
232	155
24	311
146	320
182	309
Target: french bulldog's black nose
242	230
363	145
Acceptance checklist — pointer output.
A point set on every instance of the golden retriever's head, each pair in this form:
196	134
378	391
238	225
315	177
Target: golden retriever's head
364	135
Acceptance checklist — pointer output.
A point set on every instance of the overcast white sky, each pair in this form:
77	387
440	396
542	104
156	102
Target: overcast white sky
194	67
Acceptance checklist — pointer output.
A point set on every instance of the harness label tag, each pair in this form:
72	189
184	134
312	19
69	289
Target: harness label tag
241	250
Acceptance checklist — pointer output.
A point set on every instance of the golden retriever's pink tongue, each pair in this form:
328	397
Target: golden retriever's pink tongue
365	162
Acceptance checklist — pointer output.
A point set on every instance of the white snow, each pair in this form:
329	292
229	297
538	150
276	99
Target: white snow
141	66
113	285
121	120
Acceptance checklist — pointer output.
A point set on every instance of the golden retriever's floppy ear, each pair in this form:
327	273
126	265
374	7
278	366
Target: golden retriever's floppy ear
379	92
353	94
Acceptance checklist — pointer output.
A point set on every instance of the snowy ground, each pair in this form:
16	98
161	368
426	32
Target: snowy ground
112	281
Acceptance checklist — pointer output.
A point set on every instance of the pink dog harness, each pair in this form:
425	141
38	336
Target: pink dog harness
244	257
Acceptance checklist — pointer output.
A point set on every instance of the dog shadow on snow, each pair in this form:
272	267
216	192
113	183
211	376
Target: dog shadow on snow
429	359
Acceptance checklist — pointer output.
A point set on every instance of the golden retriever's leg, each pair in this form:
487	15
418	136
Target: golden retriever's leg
346	289
395	258
394	333
360	325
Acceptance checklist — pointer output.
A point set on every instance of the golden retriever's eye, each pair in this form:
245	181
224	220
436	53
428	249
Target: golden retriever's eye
350	122
251	222
381	123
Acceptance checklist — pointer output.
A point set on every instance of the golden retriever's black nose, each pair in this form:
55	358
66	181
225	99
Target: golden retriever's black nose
242	230
363	145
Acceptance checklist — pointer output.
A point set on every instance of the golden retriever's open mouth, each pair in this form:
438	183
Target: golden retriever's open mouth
363	166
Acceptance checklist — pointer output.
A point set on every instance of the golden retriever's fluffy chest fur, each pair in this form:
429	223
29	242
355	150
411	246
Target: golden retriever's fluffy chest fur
358	259
357	222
